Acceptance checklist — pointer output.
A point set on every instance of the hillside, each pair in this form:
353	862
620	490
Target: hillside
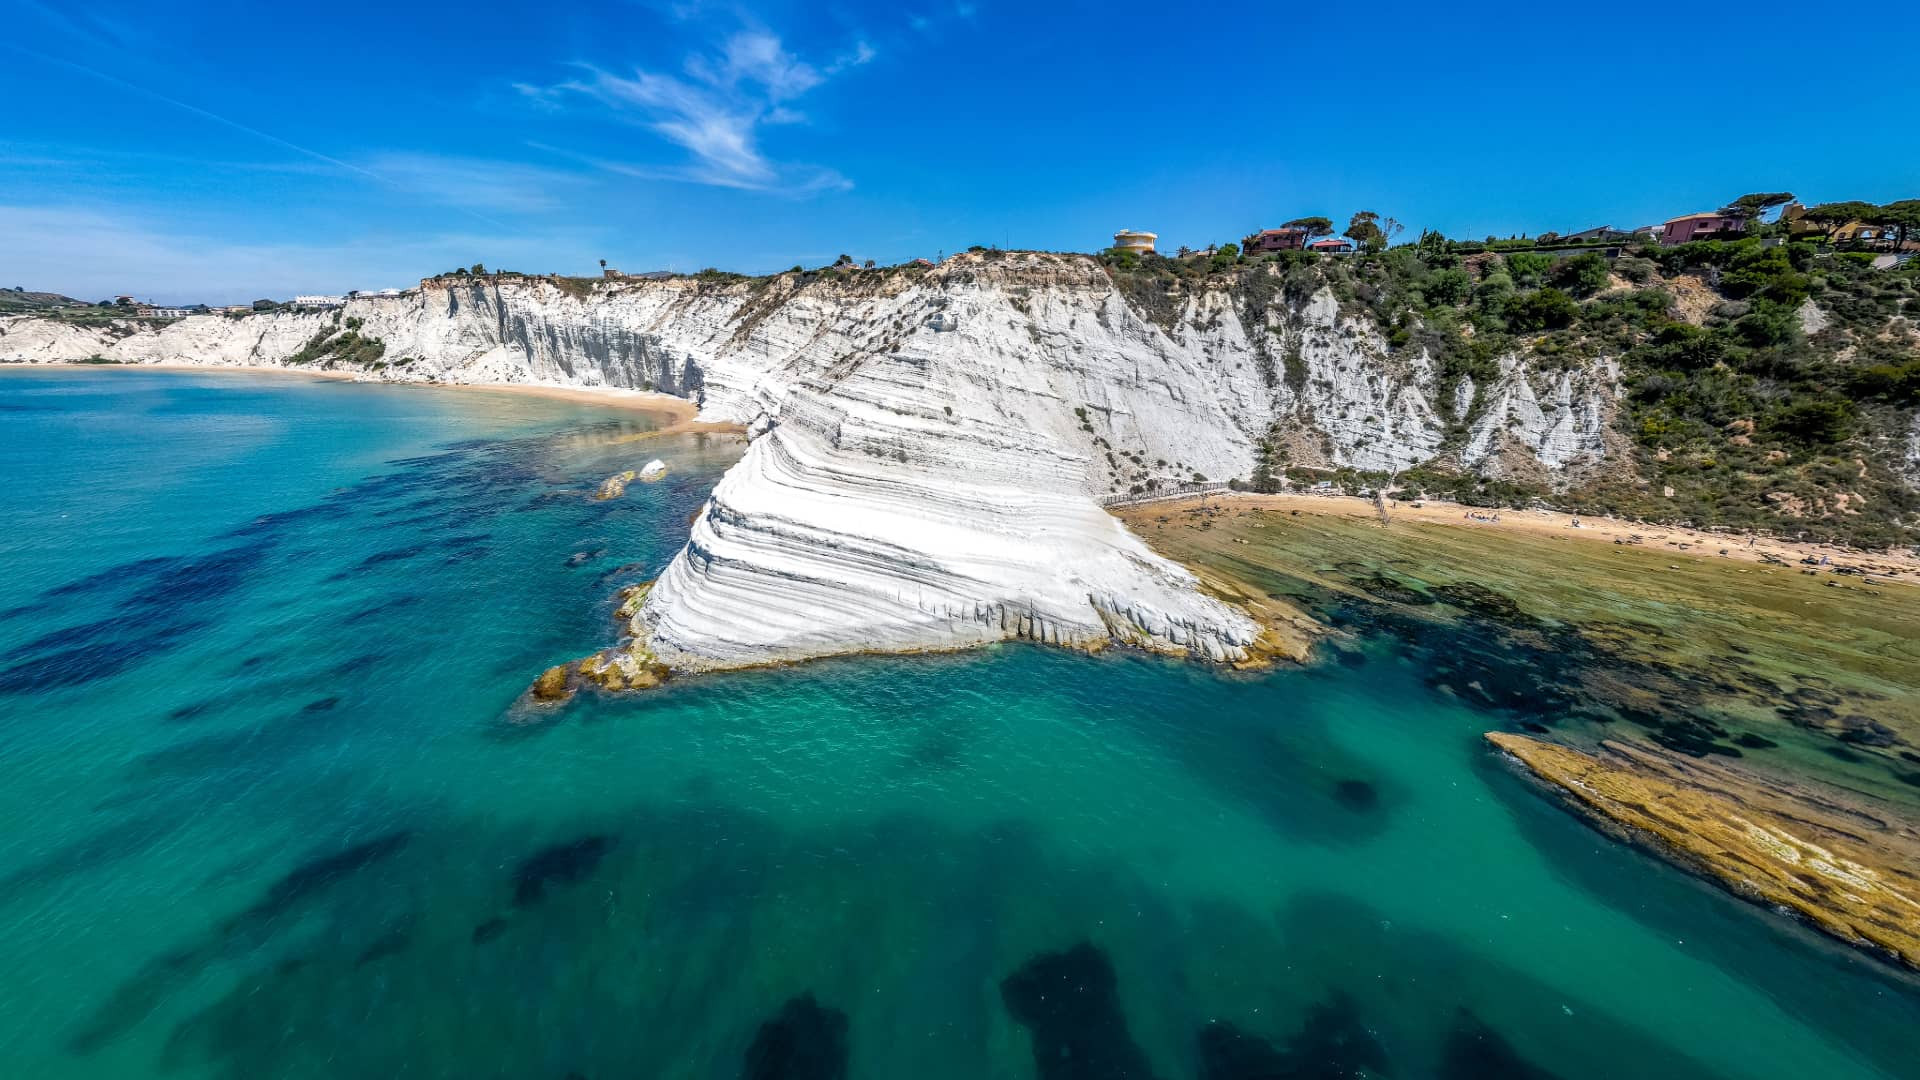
1764	387
1747	386
17	301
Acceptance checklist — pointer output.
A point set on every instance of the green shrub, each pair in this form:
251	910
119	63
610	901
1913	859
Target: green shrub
1766	324
1445	288
1812	421
1637	270
1540	309
1582	275
1528	268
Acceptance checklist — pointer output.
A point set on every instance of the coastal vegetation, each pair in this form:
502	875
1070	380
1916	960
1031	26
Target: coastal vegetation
330	347
1768	379
1764	378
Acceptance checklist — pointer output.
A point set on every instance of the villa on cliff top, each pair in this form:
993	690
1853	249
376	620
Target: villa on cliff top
1135	241
1269	240
1689	227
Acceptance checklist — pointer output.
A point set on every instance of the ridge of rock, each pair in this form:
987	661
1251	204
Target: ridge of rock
929	450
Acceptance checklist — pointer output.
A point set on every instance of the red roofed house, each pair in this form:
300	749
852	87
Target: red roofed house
1274	240
1332	245
1696	226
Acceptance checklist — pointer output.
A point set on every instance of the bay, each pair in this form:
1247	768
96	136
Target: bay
268	806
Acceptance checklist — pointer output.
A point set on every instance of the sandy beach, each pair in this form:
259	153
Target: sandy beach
1896	565
682	410
236	369
616	397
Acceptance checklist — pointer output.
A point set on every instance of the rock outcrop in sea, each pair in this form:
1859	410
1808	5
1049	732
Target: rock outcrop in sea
1795	847
930	450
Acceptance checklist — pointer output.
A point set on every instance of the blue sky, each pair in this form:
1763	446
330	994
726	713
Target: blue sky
221	151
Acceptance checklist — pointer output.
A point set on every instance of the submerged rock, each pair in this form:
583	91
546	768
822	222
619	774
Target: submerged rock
614	486
623	669
806	1041
1332	1043
1475	1051
554	684
1068	1001
630	599
560	864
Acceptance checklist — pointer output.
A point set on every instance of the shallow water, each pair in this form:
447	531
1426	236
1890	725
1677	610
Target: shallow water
1797	674
263	811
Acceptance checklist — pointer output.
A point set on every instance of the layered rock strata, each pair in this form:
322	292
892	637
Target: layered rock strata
930	449
1851	871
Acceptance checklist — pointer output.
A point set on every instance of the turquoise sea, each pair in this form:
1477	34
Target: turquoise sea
267	808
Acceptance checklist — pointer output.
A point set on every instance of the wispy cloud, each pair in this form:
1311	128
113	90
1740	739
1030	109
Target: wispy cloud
475	184
715	109
194	109
91	27
90	253
469	186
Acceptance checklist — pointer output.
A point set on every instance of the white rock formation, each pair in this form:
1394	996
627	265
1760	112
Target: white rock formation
1374	410
1913	453
1559	422
1812	319
929	448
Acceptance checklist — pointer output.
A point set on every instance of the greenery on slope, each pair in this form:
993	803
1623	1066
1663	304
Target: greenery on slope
1730	403
330	348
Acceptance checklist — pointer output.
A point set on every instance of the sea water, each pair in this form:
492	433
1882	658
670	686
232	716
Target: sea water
272	804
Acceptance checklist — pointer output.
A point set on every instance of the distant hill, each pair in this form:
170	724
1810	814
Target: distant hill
17	302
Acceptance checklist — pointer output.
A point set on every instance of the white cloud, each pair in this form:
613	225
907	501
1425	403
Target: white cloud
756	56
862	52
716	110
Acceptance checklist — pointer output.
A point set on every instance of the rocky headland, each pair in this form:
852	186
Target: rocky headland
931	449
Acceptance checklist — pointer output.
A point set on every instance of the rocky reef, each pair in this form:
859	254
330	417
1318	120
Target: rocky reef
1846	869
930	449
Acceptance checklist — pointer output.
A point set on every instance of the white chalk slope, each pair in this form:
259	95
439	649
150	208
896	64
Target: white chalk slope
930	449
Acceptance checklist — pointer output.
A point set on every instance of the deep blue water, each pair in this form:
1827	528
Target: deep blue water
265	809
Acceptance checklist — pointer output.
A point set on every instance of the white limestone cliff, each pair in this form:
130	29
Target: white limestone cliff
930	449
1913	453
1545	423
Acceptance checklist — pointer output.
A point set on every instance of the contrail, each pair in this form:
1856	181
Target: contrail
234	124
198	111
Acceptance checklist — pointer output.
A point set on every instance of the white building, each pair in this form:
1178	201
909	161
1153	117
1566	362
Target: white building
317	302
1134	240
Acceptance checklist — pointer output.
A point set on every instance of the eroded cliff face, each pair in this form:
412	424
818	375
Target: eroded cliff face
930	449
1913	454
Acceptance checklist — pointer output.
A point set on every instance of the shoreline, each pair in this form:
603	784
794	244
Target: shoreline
1896	565
680	409
235	369
616	397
